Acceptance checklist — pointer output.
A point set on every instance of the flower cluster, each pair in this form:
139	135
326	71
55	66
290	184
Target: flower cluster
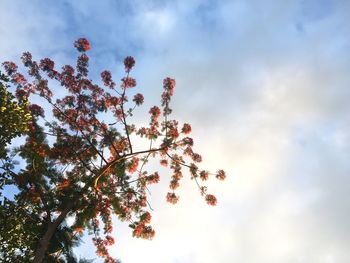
169	86
128	82
155	113
82	65
133	165
221	175
46	64
204	175
82	45
129	63
138	99
153	178
36	110
172	198
186	129
10	67
107	79
211	199
143	231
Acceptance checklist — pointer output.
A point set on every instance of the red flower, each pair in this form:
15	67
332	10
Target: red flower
82	45
172	198
174	184
10	67
138	99
153	178
128	82
187	141
196	157
133	165
204	175
211	200
146	218
110	240
221	175
36	110
173	133
129	63
155	112
169	85
18	78
107	79
164	162
186	129
26	59
46	64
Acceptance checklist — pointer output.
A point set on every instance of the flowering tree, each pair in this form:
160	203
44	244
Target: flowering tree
78	165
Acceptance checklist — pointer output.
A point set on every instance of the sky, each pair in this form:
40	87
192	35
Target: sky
266	87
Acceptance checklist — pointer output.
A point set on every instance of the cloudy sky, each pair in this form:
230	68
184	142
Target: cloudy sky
266	87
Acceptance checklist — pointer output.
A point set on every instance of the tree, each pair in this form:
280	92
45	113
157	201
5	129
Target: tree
80	166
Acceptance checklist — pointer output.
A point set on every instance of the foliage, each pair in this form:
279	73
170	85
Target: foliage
79	165
14	115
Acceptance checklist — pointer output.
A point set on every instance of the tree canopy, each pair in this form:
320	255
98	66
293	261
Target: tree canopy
79	158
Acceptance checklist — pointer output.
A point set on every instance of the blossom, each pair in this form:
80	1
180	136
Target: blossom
128	82
173	133
153	178
107	78
146	217
187	141
18	78
204	175
169	85
138	99
82	45
155	112
172	198
143	231
186	129
46	64
36	110
133	165
211	200
10	67
109	240
196	157
193	169
129	63
174	184
82	64
26	59
20	93
221	175
164	162
68	70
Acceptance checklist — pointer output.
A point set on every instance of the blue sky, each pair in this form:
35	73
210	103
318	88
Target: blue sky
265	85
